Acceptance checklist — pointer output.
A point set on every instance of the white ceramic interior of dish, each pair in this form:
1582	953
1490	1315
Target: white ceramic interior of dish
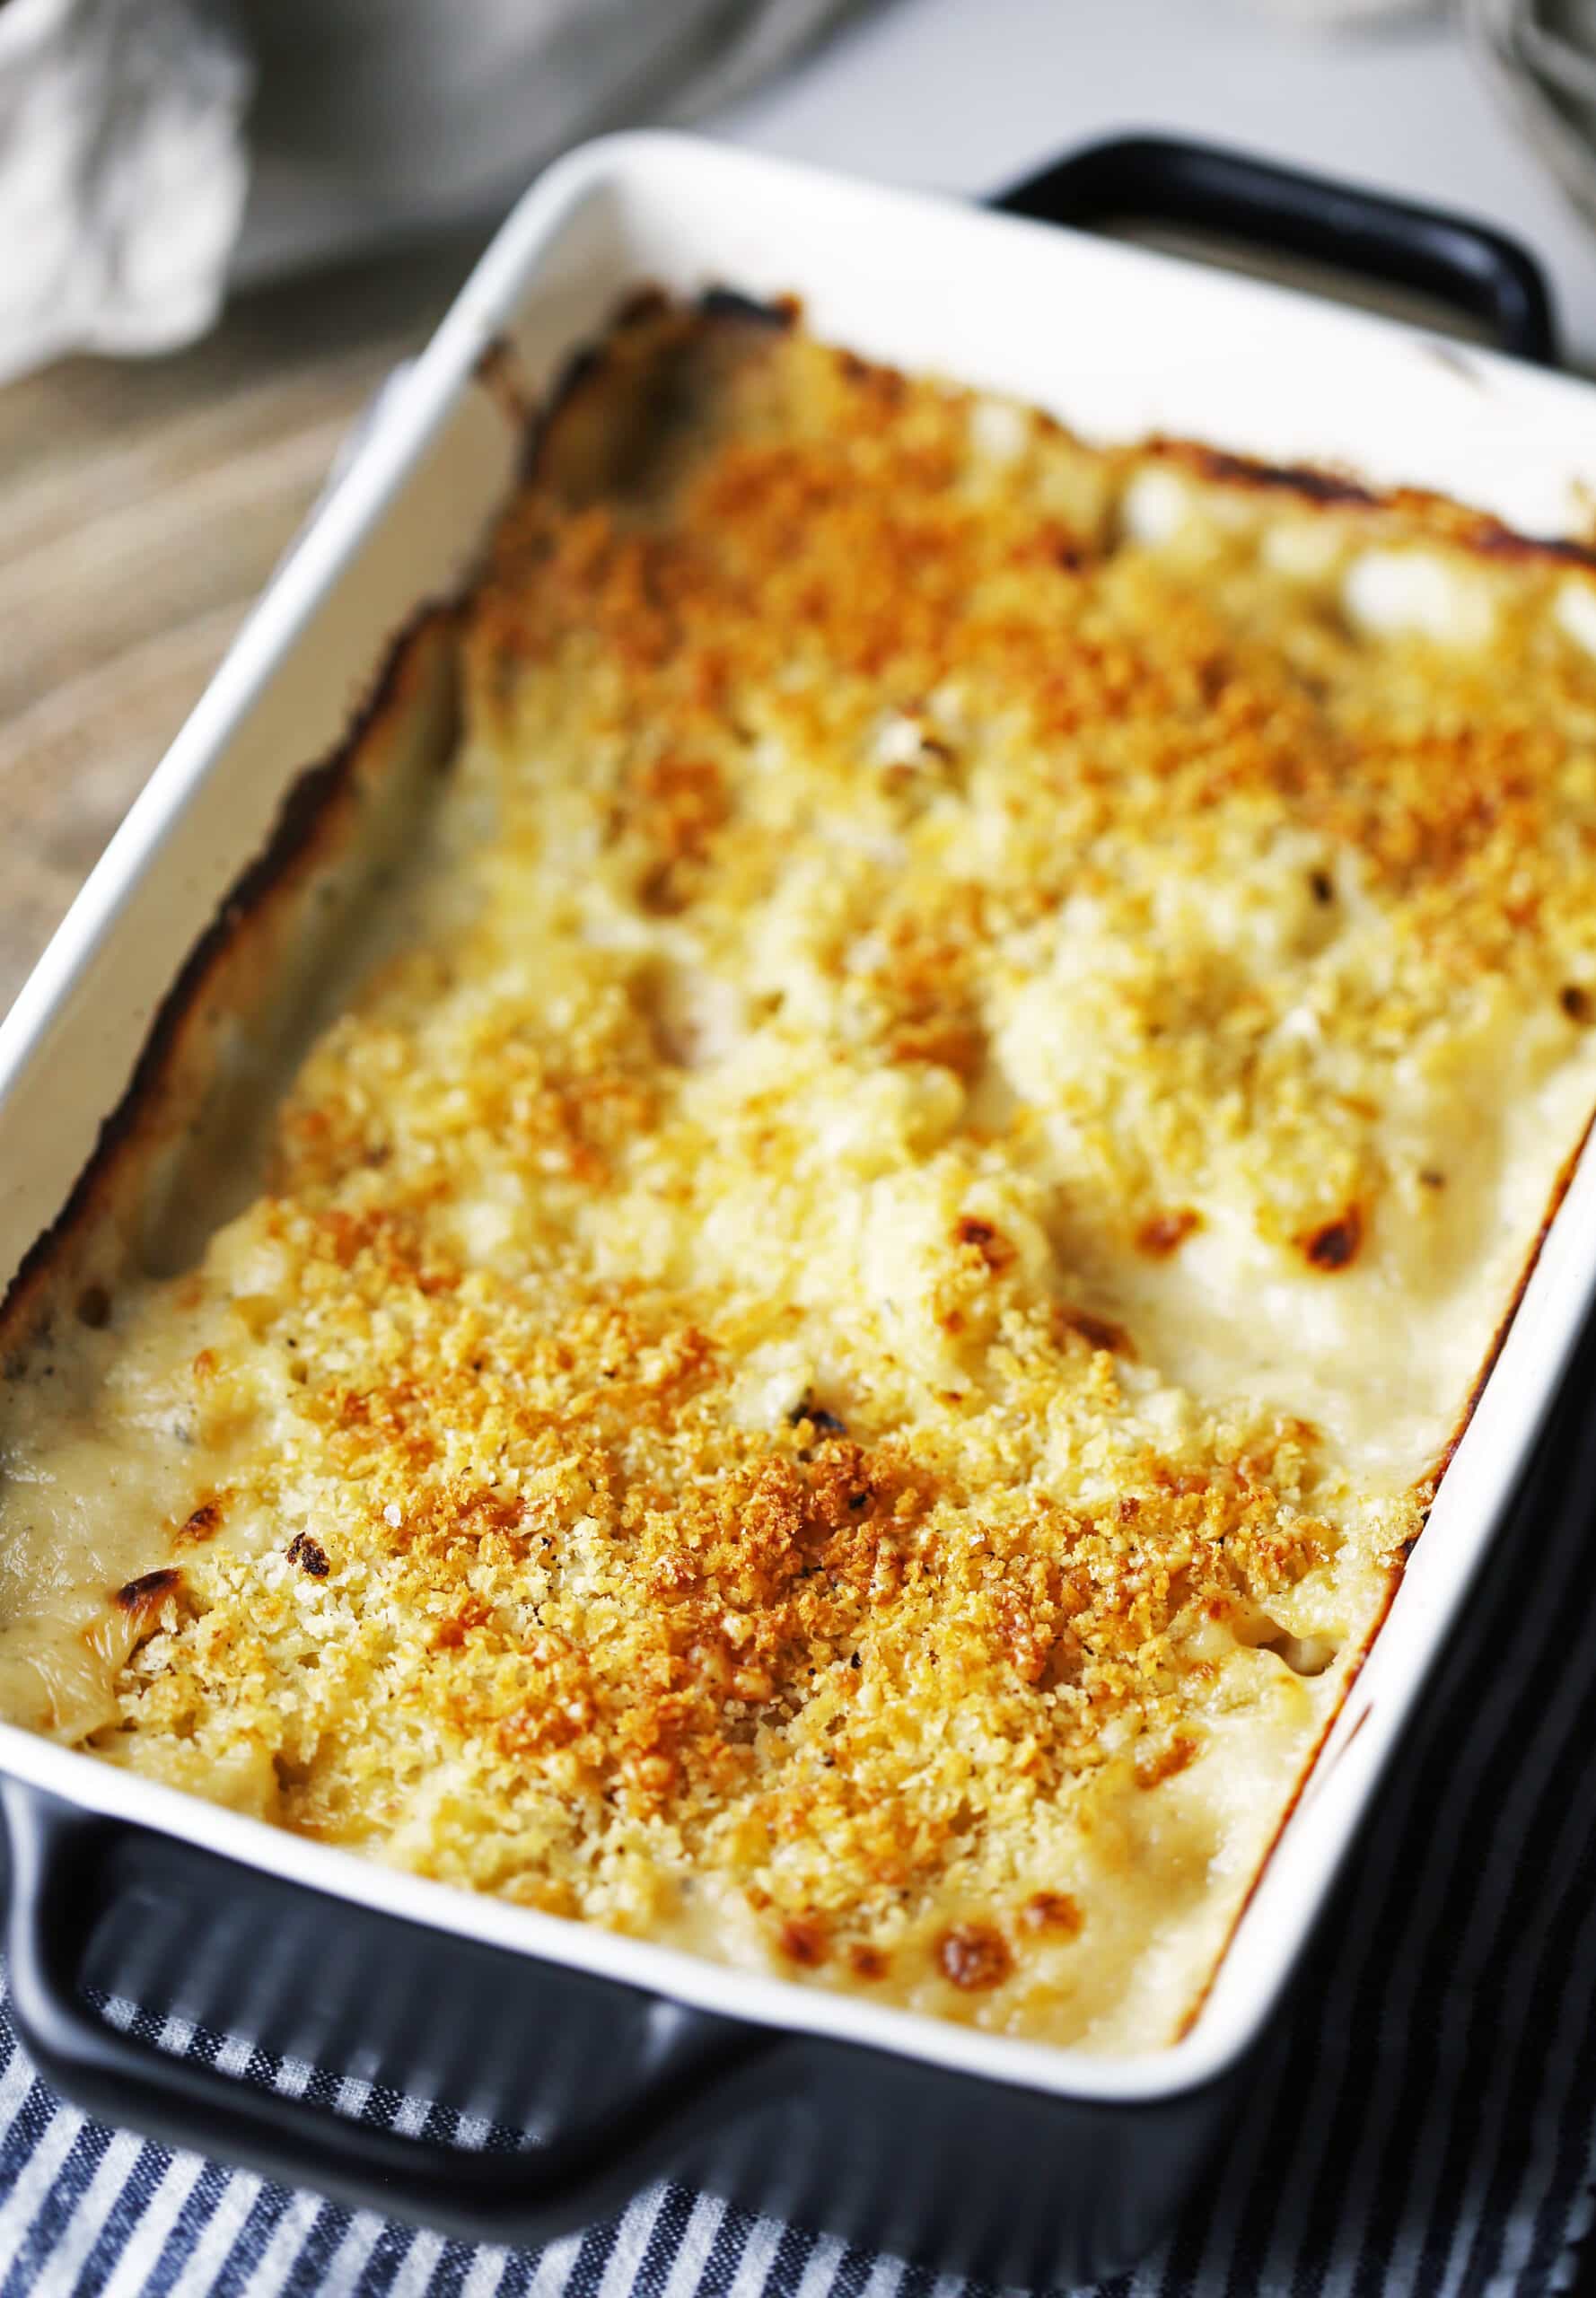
1118	343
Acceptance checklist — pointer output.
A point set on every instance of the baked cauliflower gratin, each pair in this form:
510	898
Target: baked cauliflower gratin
836	1348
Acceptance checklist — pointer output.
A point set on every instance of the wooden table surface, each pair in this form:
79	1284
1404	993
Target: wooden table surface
142	504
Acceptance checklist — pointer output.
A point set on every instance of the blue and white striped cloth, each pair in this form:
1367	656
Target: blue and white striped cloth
1428	2132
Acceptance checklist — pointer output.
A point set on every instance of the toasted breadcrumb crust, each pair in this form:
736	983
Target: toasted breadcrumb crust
814	1378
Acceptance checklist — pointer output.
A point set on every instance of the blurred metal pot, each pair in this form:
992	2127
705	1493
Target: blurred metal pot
1541	56
372	116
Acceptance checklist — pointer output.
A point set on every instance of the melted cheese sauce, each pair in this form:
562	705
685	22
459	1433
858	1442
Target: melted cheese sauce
834	1364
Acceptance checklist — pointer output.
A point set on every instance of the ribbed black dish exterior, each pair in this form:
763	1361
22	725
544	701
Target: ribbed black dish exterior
963	2174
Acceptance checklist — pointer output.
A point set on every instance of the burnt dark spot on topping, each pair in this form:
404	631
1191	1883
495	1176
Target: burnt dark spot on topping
497	371
1096	1331
1315	485
309	1555
94	1307
823	1423
727	303
648	301
857	1500
868	1962
1430	1179
1154	1766
1053	1911
1334	1245
1322	885
1576	1002
856	1662
985	1239
974	1956
886	383
149	1591
203	1522
1494	542
1163	1233
803	1940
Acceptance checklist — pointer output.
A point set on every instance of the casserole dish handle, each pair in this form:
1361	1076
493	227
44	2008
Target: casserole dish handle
527	2195
1284	211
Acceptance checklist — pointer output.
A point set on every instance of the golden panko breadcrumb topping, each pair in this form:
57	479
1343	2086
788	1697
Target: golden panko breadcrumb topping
837	1359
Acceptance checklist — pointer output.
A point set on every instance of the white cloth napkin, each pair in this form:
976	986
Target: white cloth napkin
122	174
126	157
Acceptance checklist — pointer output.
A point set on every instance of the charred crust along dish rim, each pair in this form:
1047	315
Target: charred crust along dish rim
828	1351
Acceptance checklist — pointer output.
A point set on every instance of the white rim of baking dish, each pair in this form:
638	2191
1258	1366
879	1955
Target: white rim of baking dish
653	171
